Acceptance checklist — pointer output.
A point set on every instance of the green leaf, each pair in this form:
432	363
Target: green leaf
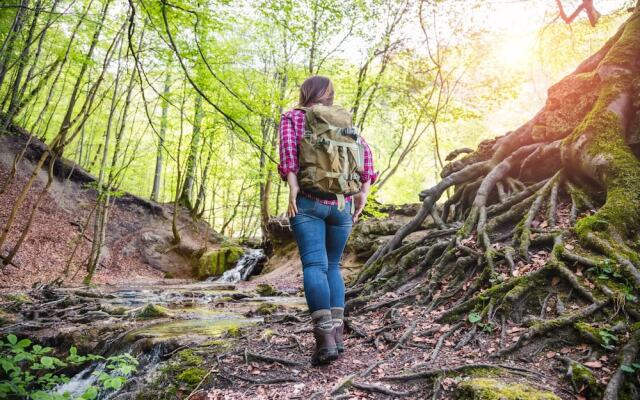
90	394
636	365
47	361
23	343
474	317
627	368
7	365
13	339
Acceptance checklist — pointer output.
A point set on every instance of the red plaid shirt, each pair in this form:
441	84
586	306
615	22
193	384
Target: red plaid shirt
292	126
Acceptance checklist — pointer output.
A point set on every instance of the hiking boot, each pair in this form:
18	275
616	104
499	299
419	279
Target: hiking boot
326	350
339	328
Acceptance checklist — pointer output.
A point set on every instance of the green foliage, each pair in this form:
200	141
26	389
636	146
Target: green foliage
475	317
373	208
32	371
608	270
607	338
630	368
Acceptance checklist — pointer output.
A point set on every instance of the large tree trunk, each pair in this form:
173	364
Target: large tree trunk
565	187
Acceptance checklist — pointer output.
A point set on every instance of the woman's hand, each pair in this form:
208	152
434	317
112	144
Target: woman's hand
294	189
360	200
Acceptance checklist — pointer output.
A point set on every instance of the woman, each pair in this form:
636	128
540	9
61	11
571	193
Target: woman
321	227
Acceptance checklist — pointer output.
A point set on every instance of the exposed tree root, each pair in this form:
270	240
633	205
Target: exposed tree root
541	228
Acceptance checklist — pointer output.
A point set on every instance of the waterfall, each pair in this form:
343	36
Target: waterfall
245	266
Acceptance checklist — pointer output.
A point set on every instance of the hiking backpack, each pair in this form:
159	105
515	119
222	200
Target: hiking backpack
331	154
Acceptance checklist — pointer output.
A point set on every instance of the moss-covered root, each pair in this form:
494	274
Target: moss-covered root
597	148
547	326
628	356
582	379
493	389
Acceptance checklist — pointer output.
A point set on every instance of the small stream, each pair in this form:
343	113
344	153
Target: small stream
197	313
245	267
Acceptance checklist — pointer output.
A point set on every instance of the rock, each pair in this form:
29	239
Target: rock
494	389
113	310
364	239
215	262
6	318
265	290
18	298
152	311
266	309
240	296
93	294
151	237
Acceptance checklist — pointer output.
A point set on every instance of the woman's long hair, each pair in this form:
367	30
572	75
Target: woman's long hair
316	89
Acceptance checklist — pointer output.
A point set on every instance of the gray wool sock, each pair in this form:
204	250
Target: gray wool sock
321	318
337	315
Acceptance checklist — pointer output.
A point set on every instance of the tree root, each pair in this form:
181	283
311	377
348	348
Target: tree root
628	356
460	368
263	357
382	389
547	326
436	350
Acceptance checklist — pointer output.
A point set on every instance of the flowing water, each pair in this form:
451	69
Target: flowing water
244	268
198	312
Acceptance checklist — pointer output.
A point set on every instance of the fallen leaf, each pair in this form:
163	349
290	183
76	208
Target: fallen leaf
593	364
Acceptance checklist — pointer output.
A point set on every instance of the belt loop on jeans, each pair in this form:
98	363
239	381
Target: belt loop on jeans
341	203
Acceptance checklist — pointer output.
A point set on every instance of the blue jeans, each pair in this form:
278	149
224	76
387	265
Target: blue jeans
321	232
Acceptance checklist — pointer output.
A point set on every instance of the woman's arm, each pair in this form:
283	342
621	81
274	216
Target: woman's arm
288	167
294	189
368	177
360	200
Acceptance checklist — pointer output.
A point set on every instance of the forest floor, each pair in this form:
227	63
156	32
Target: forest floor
390	353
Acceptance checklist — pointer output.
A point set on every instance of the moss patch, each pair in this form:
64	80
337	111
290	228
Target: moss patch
191	376
493	389
152	311
264	289
216	262
584	381
266	309
188	357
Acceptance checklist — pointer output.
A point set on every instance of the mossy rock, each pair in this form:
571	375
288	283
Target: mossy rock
7	318
113	310
265	290
153	311
493	389
266	309
584	381
18	298
215	262
192	376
